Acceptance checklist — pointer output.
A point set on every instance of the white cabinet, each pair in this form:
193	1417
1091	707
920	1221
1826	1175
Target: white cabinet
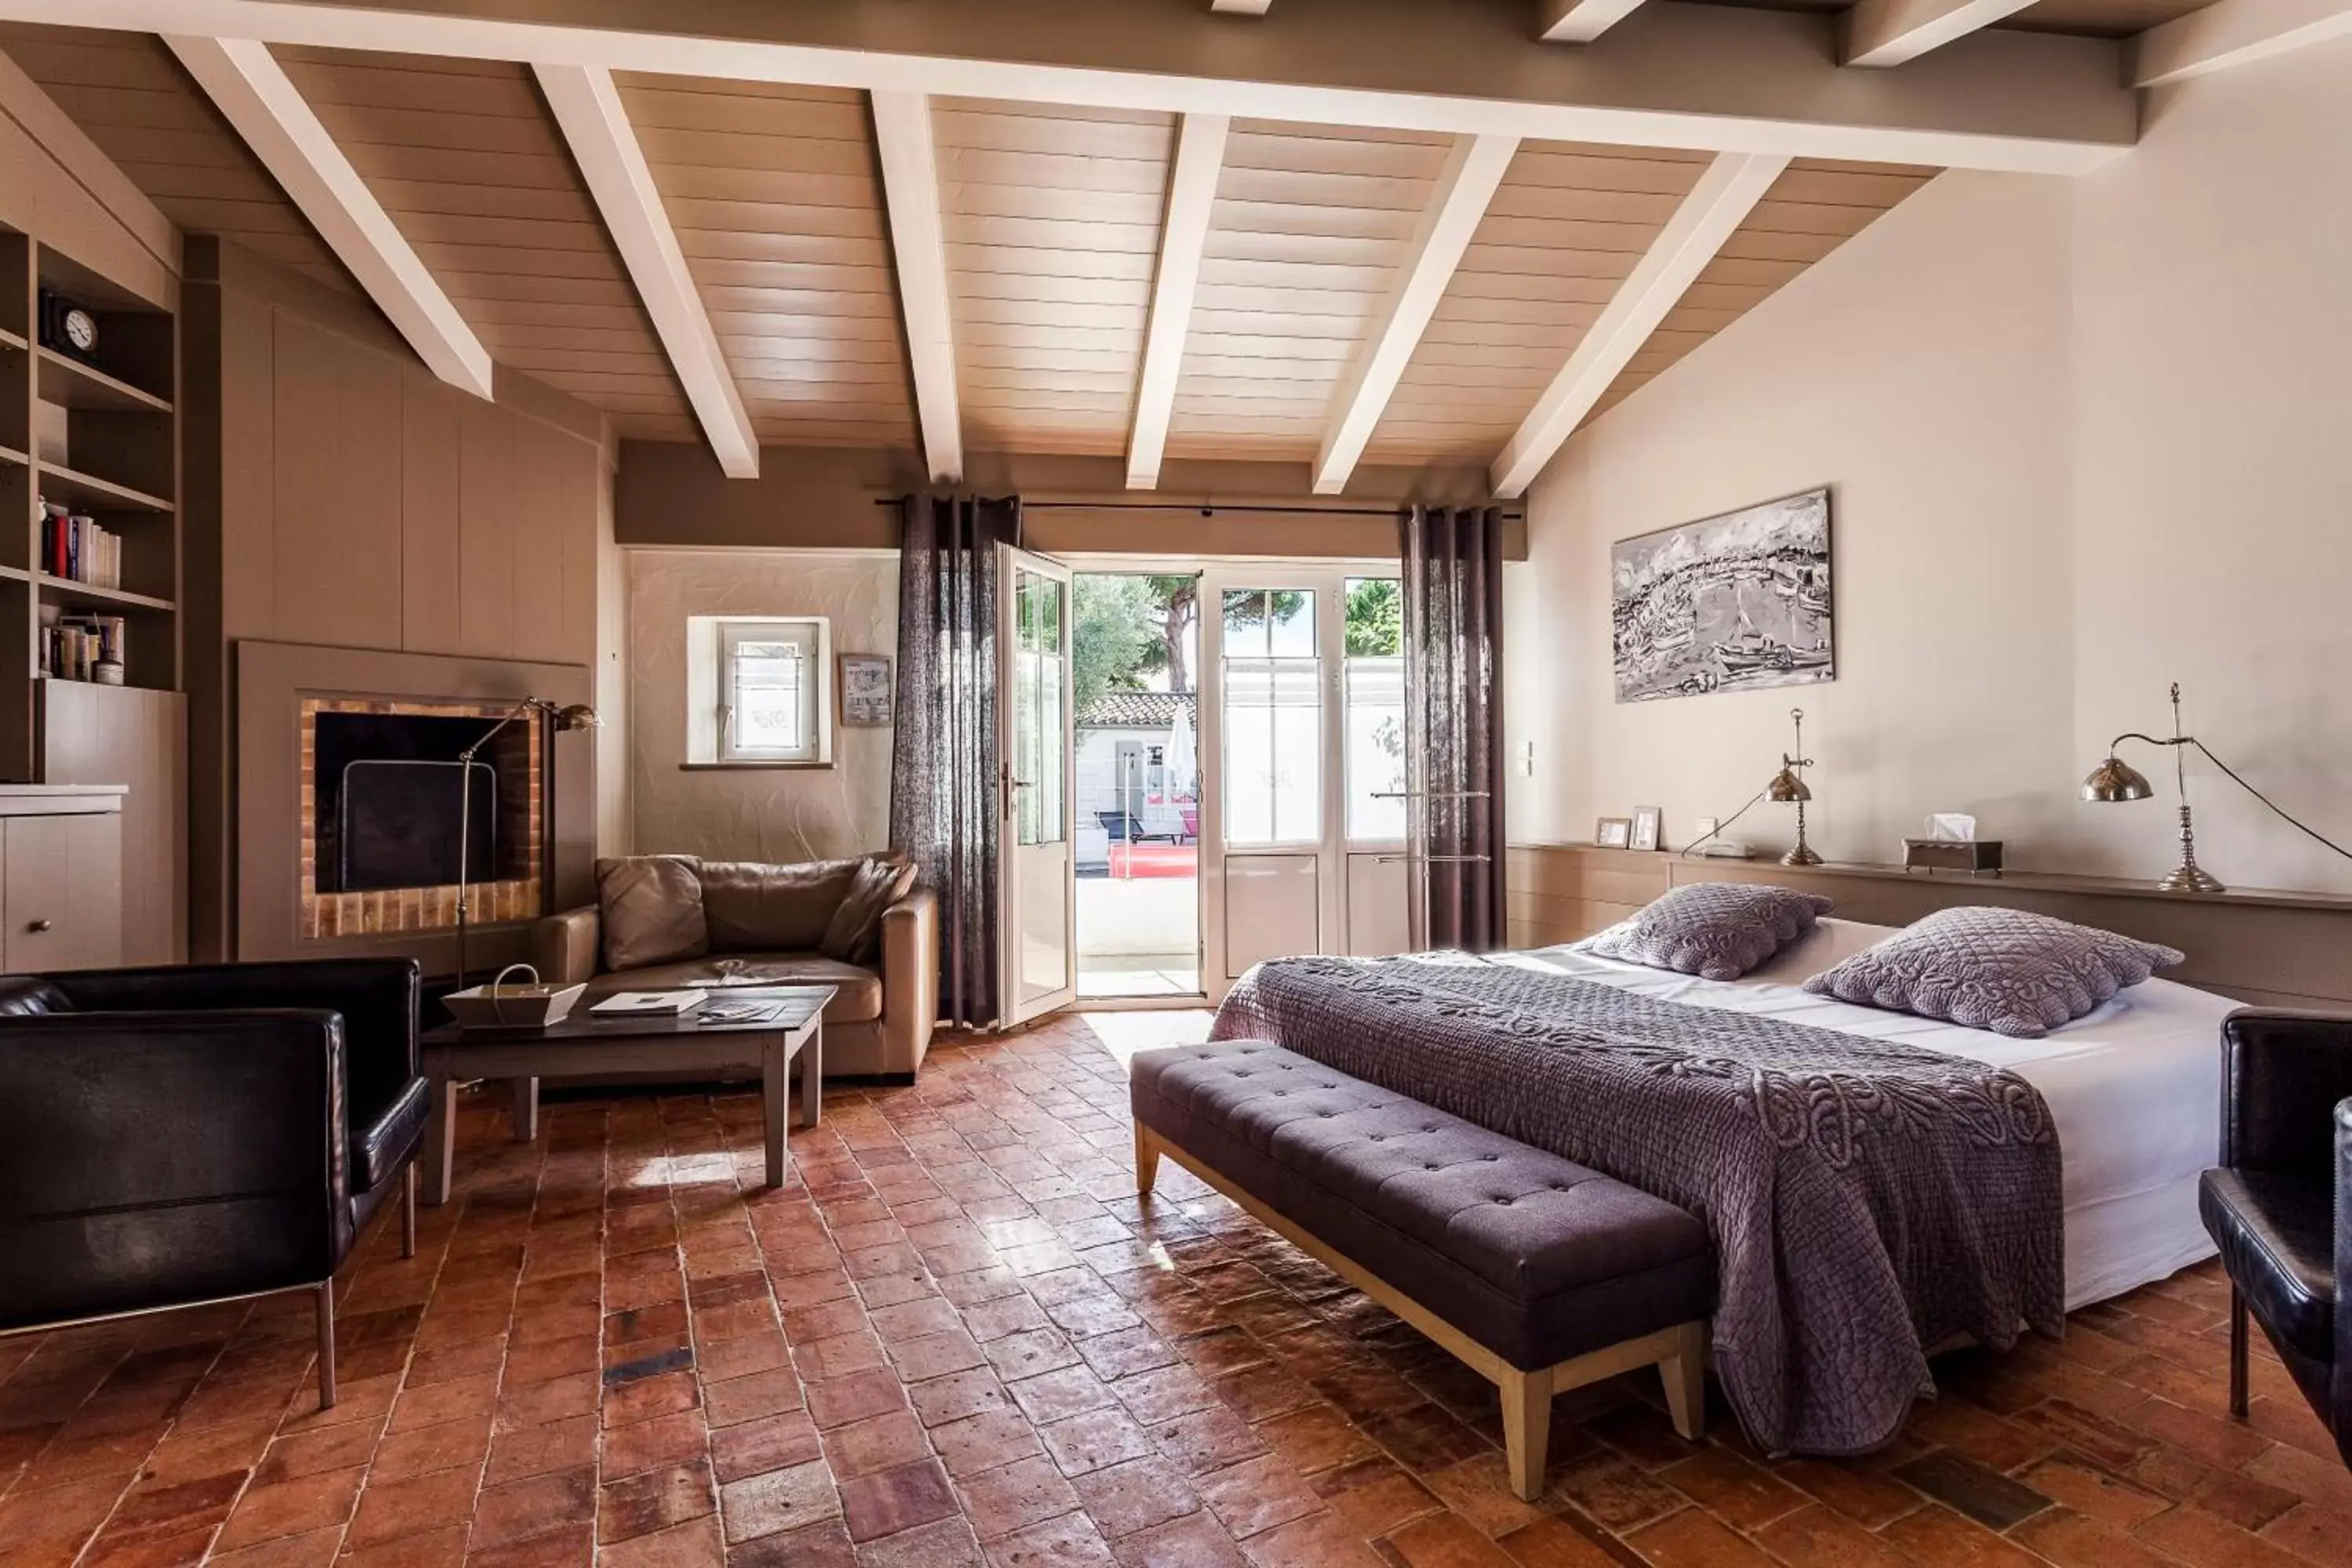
61	878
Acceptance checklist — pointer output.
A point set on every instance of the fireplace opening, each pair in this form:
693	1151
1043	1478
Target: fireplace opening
386	810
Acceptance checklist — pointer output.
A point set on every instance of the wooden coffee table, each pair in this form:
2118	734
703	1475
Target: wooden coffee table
584	1045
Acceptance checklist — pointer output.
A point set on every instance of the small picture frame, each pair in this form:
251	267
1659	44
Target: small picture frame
866	691
1646	821
1613	833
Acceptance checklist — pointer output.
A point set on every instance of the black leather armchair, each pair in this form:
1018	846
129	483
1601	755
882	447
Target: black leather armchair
176	1136
2272	1206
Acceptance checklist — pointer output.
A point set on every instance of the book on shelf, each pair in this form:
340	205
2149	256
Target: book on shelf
73	546
84	647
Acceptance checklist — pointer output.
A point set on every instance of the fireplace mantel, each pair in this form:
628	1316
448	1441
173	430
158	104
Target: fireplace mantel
275	681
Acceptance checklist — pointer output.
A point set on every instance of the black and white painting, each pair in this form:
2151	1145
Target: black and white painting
1734	603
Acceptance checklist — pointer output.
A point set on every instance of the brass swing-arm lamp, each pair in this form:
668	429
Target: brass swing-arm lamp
2115	779
565	717
1789	785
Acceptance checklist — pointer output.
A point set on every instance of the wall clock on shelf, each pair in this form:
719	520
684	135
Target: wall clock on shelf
68	328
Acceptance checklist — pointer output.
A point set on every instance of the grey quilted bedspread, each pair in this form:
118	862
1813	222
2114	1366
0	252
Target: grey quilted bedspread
1866	1199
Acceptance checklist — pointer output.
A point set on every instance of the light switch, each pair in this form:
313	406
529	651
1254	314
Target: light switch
1527	759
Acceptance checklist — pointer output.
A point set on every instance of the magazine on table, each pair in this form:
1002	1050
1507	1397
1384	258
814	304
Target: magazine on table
650	1004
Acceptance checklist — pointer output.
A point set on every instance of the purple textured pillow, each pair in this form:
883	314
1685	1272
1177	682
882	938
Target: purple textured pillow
1716	931
2013	972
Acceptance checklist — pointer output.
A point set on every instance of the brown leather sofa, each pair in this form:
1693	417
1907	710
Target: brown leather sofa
765	923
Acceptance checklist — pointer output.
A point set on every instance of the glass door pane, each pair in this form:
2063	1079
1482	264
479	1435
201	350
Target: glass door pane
1375	718
1037	726
1273	718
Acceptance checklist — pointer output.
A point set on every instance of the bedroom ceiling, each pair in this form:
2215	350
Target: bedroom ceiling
1027	251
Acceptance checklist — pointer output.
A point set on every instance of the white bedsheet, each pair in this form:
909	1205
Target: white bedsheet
2134	1089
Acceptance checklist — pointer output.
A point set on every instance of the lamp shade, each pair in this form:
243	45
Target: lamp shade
1786	786
2116	780
577	716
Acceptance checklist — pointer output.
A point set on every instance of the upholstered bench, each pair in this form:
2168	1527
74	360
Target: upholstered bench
1542	1274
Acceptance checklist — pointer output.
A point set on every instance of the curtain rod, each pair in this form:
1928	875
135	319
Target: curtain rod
1208	509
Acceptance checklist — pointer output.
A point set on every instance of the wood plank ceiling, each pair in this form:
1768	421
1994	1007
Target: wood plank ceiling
131	97
1309	227
464	157
1052	221
777	202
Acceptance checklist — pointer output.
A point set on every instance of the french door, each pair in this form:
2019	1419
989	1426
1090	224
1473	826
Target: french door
1036	945
1303	750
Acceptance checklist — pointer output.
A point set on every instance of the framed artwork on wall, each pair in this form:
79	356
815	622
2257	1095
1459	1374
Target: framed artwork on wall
1646	820
866	691
1735	602
1613	833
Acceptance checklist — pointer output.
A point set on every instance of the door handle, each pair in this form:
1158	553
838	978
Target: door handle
37	927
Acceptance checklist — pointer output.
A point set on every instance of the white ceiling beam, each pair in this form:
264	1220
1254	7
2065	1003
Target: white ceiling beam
1710	77
2233	33
1897	32
1473	169
588	108
1184	235
250	89
1717	206
910	189
1578	21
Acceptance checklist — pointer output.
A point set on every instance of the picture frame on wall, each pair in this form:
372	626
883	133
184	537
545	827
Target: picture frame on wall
867	693
1613	833
1646	822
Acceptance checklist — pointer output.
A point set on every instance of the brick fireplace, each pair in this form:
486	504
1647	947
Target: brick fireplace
313	877
354	740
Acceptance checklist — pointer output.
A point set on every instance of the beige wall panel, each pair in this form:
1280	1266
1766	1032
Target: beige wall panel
430	489
539	542
308	487
486	522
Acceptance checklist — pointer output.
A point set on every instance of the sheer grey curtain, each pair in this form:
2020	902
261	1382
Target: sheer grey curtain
1454	740
943	784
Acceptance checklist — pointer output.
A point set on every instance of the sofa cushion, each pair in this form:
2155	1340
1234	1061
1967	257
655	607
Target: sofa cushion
754	907
855	933
858	997
652	908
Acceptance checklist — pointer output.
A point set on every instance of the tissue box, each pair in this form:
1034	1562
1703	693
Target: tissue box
1977	857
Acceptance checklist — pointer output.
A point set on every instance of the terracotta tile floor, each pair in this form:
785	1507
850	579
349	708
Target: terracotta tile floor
956	1339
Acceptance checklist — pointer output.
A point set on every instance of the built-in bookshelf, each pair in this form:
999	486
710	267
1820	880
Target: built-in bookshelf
95	436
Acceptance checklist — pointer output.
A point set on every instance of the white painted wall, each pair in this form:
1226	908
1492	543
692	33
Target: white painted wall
2085	438
782	815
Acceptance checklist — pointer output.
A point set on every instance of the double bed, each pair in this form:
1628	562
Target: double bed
1876	1184
2134	1089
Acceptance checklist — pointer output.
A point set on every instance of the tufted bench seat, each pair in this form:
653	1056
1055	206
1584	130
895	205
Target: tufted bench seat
1540	1273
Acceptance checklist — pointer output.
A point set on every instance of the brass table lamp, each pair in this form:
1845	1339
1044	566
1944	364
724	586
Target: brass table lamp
1789	785
2115	779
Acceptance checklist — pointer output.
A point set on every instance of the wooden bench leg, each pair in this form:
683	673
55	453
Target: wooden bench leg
1147	1161
1684	1372
1527	1428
